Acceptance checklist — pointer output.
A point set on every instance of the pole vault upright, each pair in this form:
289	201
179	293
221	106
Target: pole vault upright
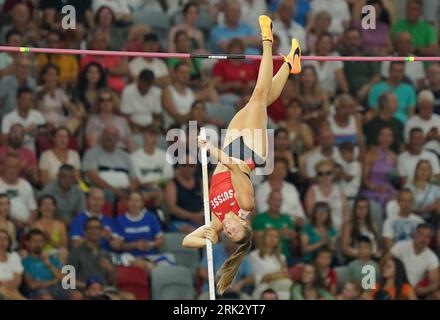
205	183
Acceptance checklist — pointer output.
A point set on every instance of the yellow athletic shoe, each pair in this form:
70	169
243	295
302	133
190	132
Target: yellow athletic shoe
266	28
294	57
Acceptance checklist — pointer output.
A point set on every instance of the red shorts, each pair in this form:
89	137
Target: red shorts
222	195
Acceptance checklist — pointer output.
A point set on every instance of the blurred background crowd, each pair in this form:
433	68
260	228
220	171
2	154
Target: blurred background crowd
86	178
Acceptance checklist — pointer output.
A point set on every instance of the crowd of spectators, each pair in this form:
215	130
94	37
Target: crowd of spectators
87	177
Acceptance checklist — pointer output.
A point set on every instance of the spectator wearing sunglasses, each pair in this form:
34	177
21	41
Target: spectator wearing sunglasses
325	190
108	115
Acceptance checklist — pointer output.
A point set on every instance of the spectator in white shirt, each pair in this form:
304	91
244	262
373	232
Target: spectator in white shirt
19	191
338	10
407	161
350	171
269	265
421	264
158	66
179	99
403	225
427	121
11	269
286	28
151	168
330	73
141	101
30	119
291	203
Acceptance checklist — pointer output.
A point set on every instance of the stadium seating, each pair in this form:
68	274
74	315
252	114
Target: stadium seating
134	280
184	256
172	283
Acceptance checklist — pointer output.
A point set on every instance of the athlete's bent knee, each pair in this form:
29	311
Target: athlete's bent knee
261	95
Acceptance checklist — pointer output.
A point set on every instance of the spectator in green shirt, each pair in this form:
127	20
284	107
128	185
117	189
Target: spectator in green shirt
319	233
424	35
355	268
273	218
310	286
361	76
405	93
182	42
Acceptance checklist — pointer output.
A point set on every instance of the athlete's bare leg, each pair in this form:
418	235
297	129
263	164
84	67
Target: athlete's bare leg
291	65
251	114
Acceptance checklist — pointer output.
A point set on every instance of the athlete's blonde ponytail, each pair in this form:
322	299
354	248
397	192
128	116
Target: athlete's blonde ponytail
230	267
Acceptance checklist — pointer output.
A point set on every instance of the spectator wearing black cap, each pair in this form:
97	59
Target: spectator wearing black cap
355	269
141	102
158	66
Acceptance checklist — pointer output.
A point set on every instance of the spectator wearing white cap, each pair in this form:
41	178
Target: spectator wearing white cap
427	121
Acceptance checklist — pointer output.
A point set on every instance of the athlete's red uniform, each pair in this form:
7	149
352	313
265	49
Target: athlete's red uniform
222	194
